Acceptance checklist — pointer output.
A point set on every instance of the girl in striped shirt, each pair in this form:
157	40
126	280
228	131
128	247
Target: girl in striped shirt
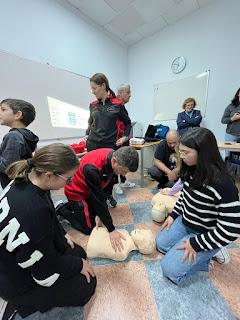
206	218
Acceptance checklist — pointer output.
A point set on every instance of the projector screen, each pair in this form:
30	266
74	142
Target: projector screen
169	96
61	98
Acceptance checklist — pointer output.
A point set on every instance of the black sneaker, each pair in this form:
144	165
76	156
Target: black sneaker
111	202
160	186
62	209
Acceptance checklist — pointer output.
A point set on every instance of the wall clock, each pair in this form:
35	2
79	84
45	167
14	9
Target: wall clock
178	64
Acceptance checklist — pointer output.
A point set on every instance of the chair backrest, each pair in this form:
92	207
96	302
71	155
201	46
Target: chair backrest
234	157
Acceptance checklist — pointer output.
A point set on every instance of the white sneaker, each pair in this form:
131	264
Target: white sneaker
128	184
57	203
118	189
3	305
222	256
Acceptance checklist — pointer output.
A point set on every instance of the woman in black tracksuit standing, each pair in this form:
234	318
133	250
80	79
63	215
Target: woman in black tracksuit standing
105	112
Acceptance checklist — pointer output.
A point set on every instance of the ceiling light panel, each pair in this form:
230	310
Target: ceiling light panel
127	21
119	5
99	11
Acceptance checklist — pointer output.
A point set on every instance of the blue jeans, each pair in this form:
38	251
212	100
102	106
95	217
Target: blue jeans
172	265
230	137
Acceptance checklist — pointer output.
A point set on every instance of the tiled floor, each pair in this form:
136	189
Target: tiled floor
136	289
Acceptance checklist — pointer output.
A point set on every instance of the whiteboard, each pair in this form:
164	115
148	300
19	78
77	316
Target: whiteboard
36	82
169	96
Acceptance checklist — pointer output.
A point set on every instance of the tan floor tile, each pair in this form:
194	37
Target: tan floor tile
226	279
138	195
121	214
150	184
123	292
80	238
133	176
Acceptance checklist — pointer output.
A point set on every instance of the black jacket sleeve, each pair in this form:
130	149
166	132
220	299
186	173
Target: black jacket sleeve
124	117
90	121
50	265
93	178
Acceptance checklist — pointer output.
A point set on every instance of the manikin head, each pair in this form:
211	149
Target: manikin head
144	240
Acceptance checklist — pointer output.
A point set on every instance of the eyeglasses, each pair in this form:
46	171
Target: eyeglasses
68	180
183	153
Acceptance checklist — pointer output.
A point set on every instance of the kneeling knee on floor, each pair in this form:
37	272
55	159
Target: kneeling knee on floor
160	245
170	270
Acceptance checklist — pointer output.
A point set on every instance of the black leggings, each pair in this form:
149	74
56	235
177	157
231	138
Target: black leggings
75	291
158	175
77	214
95	145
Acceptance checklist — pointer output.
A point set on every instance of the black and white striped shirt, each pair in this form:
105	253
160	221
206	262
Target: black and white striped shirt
213	211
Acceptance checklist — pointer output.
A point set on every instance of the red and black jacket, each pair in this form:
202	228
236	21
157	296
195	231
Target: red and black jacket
121	128
103	120
93	175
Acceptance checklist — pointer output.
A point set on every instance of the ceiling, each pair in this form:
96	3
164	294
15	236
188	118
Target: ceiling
130	21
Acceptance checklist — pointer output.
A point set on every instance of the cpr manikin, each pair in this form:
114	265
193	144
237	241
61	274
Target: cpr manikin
99	244
164	201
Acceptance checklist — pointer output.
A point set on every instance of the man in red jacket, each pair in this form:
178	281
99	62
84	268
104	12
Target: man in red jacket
90	186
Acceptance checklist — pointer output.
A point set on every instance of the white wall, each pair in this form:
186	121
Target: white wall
43	30
209	39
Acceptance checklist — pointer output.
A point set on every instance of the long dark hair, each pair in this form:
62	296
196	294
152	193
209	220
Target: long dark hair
235	100
100	79
210	166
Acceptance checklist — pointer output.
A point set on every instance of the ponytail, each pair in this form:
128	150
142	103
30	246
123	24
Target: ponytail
19	170
111	93
56	157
